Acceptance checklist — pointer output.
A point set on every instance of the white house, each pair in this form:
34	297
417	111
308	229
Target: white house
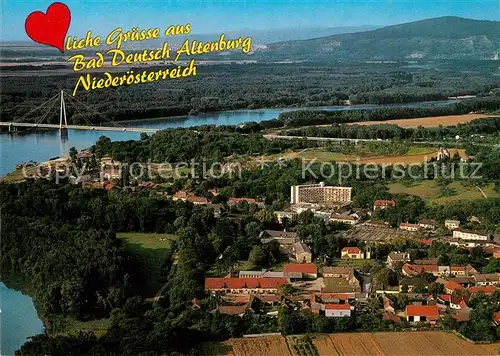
452	224
469	235
337	310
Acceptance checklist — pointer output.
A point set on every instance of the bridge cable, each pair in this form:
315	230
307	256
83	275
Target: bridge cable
38	107
83	115
44	116
89	108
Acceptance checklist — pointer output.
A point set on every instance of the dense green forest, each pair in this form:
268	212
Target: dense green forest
208	143
238	86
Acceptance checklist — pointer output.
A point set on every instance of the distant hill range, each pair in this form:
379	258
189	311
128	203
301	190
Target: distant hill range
437	38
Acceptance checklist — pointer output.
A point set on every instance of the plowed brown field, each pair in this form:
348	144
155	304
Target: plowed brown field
397	344
368	344
269	345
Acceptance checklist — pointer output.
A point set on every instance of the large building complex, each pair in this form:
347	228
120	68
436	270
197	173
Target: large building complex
320	194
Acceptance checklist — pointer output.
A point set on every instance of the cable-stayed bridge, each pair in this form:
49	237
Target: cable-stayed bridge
45	110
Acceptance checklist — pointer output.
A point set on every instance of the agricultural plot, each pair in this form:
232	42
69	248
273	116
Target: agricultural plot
427	343
428	121
268	345
301	346
387	234
395	344
430	190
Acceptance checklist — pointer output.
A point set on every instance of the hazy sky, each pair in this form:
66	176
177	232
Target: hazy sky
205	16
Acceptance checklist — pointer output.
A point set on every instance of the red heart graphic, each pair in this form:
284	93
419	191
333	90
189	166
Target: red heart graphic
51	28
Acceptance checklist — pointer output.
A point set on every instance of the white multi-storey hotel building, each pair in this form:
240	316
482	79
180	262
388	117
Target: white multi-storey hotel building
319	194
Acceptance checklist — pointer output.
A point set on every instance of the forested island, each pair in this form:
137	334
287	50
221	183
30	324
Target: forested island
250	86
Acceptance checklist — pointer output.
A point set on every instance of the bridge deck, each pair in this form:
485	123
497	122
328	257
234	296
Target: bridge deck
79	127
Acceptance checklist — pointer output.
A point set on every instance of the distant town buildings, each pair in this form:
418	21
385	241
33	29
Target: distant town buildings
243	285
443	153
417	269
409	227
452	224
302	252
424	313
383	204
354	253
234	201
337	310
427	224
345	219
320	194
469	235
300	271
395	257
280	215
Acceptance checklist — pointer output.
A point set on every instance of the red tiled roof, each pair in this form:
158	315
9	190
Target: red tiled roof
269	283
233	309
180	194
412	268
351	250
451	285
426	242
243	283
337	306
393	317
196	199
237	200
496	317
430	311
214	283
445	297
241	298
484	289
300	267
333	296
269	297
458	268
384	203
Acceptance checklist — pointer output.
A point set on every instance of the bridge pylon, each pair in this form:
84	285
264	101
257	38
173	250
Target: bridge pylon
63	120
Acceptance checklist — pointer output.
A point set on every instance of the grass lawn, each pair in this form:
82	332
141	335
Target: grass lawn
215	348
176	173
358	264
99	326
420	150
18	175
430	191
148	251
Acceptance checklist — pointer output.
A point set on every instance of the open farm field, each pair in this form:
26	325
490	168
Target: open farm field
422	343
430	190
435	121
268	345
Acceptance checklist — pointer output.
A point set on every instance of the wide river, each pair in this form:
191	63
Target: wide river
40	146
19	320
